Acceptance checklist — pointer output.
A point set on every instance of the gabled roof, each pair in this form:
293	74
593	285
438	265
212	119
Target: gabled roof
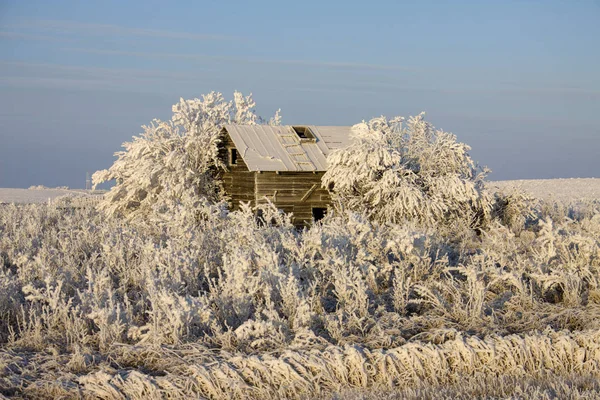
280	148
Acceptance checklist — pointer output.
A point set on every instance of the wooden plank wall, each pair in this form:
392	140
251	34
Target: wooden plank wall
238	181
295	192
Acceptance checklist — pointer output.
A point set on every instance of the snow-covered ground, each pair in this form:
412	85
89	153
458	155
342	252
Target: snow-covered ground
8	195
558	189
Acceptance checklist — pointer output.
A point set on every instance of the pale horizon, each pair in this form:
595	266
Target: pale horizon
516	81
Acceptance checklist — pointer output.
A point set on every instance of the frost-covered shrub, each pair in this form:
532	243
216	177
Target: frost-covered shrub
400	171
514	209
173	164
74	282
10	300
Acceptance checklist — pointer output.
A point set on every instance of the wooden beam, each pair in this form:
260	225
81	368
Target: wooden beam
308	193
255	190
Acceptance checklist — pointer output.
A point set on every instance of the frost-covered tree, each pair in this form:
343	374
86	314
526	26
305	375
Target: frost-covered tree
173	164
399	170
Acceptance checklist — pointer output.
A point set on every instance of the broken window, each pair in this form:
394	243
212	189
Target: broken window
234	156
303	132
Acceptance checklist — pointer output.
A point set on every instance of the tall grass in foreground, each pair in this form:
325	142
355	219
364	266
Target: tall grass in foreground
545	386
224	306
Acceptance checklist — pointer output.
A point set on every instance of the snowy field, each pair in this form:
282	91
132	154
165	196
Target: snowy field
557	189
29	196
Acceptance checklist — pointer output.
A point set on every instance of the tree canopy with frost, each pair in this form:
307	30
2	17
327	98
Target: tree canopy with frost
173	164
406	170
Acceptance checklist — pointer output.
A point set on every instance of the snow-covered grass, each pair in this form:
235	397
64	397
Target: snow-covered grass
98	307
533	386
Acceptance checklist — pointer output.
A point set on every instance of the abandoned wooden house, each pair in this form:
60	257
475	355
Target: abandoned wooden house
283	164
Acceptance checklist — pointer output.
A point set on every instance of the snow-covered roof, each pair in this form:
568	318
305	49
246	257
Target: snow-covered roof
282	148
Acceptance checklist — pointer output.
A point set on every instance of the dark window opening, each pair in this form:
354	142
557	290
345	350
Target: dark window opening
318	213
234	156
331	186
303	132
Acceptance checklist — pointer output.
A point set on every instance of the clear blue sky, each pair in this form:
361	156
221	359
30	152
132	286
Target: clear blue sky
519	81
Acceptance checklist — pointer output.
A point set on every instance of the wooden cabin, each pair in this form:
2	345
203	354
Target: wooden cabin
283	164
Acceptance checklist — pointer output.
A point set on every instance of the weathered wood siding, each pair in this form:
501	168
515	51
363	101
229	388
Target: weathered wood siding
293	192
238	182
